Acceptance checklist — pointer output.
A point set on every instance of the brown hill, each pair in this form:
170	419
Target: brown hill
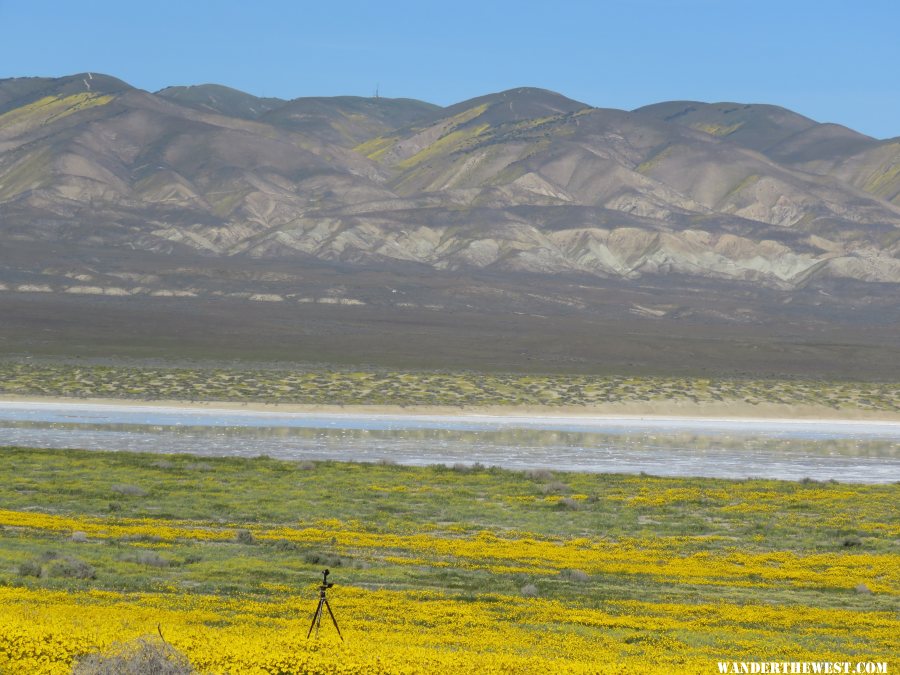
527	187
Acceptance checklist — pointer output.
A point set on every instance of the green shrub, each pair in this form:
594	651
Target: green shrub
245	537
70	568
315	558
30	568
285	545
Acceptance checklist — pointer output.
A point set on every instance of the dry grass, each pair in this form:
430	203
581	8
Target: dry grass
144	656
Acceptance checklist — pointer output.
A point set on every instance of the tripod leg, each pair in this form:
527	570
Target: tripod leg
333	620
316	616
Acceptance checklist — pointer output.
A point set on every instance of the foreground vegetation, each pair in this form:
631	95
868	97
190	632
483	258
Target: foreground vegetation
338	387
437	569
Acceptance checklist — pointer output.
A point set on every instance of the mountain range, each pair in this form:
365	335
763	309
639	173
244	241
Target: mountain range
205	191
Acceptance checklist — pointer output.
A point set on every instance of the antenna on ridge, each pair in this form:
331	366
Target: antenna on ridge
376	91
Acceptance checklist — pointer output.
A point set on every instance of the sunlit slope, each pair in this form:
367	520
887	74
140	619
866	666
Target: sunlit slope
712	204
855	159
158	175
606	158
36	115
468	124
525	180
874	168
22	91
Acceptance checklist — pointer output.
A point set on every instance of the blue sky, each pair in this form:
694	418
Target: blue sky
835	61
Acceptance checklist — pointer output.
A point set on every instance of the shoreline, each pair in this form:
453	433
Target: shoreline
650	410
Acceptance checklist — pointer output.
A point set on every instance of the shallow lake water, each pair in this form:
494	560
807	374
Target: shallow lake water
822	450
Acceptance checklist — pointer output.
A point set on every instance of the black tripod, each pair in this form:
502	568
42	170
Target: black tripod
317	617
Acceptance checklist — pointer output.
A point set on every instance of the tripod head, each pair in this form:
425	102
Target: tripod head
325	585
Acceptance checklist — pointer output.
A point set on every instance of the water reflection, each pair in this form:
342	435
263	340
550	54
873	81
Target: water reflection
719	451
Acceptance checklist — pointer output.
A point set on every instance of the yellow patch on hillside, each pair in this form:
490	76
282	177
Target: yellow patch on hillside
28	174
468	115
882	181
644	167
452	142
743	185
374	148
717	129
51	108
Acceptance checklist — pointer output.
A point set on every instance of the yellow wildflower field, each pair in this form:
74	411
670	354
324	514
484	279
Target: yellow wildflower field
412	632
437	571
